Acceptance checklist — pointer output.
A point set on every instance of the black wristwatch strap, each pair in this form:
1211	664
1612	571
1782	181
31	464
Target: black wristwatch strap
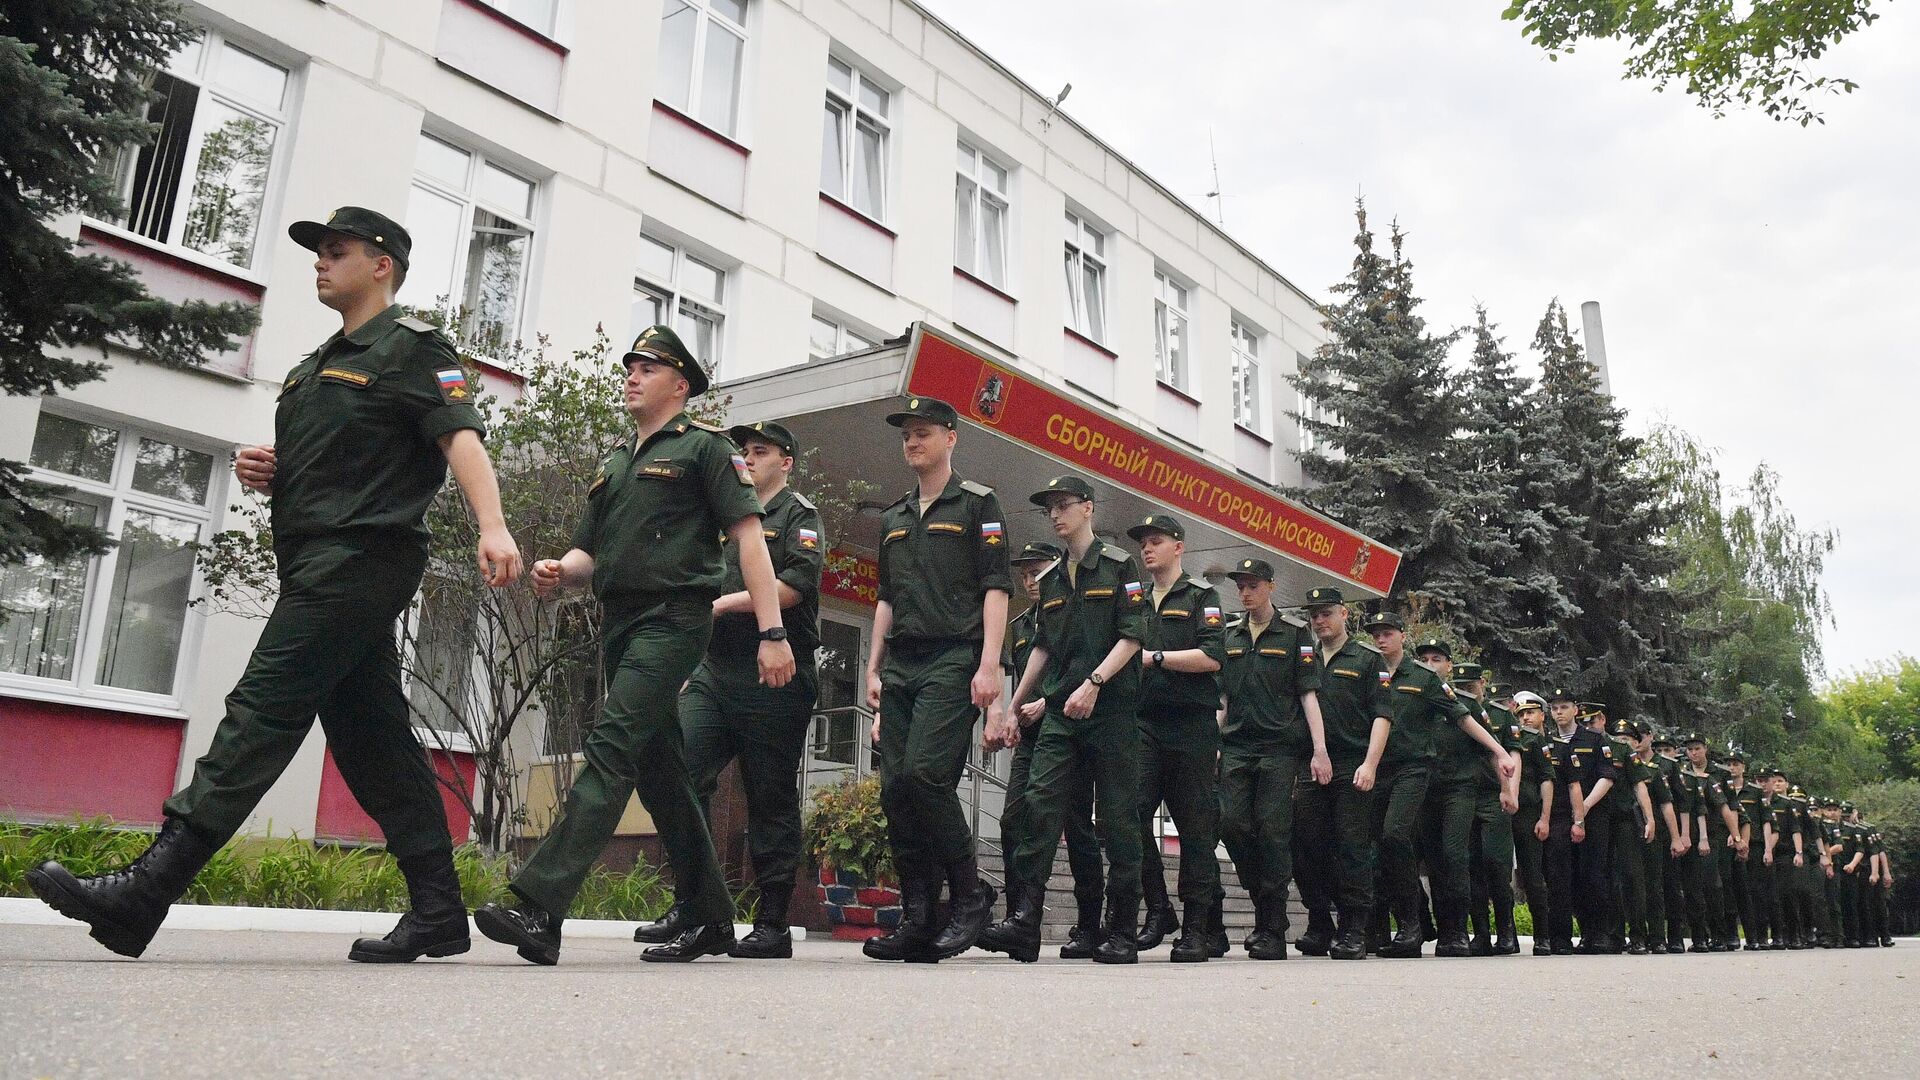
778	633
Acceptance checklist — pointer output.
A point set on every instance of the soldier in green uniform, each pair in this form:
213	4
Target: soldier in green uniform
1273	732
1461	778
649	544
1082	685
1533	822
1850	865
1658	845
726	714
1179	694
1633	826
1083	844
1826	882
1882	882
935	664
1496	801
1789	863
1715	827
1753	862
1334	823
1679	840
1420	704
365	431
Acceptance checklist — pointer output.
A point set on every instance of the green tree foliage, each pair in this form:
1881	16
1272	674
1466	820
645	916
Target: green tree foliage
1723	54
72	91
1883	700
1893	807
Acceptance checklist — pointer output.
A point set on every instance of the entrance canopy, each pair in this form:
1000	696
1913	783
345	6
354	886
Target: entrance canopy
1016	433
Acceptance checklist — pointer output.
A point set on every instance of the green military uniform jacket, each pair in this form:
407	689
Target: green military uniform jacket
656	512
1622	799
1351	699
356	432
798	547
1459	758
1083	614
1754	811
1188	617
1786	825
1707	795
1419	704
1022	631
1659	792
1263	679
936	568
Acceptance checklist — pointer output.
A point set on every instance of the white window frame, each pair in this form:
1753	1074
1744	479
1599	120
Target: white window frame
671	291
972	177
1249	380
1086	262
504	7
708	21
1310	409
114	498
467	195
1171	320
855	115
200	75
846	338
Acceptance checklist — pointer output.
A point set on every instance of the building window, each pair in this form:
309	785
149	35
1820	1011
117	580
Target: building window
853	140
114	624
532	14
1086	280
702	43
1170	360
677	289
201	184
830	337
1247	386
472	227
1309	409
980	204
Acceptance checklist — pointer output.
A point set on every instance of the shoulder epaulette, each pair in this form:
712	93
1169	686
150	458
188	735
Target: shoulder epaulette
977	489
1236	620
1294	621
802	500
1051	567
1199	582
1114	553
418	326
1422	665
1367	645
708	427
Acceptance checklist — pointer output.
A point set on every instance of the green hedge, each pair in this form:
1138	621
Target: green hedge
293	873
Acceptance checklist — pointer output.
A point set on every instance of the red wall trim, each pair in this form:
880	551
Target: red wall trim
674	114
140	254
515	25
337	815
858	216
1090	343
63	760
997	292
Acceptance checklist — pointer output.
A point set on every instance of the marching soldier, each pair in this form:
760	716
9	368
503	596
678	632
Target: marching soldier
1883	888
1334	826
1180	692
1625	820
1753	864
1083	844
1666	755
1534	822
366	430
1459	779
1789	863
1850	864
1495	802
727	715
1082	686
1715	827
935	664
1657	845
649	544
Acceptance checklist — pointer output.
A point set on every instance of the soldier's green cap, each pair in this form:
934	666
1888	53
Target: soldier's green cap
1591	709
1389	619
1661	738
1847	806
1776	770
1692	737
1064	484
766	431
1433	644
660	345
1736	755
1561	694
1160	523
924	408
1464	674
370	225
1620	726
1258	569
1324	596
1037	552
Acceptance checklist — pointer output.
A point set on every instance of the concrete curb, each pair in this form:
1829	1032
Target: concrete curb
25	911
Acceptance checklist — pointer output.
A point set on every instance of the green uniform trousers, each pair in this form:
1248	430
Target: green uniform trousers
1530	857
1334	826
1105	749
1256	819
1653	871
927	718
1826	903
1850	886
1629	880
1083	844
1762	922
1182	777
1491	853
1452	803
726	715
327	649
1726	866
1399	797
1703	895
636	747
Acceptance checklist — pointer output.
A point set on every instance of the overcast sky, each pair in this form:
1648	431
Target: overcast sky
1758	279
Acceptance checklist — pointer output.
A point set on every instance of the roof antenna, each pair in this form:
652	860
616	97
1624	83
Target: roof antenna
1219	200
1053	106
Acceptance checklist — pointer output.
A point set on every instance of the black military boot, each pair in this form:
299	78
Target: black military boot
125	907
1482	941
913	937
770	939
713	939
1350	940
1269	940
1886	941
1119	946
1407	935
1086	935
1379	930
1192	946
665	928
1018	935
1217	945
967	915
526	926
1161	921
1453	932
1506	939
1318	936
436	925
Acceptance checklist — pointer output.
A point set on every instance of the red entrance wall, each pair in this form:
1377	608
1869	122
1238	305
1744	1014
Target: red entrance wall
339	817
61	760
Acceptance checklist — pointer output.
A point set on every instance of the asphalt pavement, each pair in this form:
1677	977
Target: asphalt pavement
272	1004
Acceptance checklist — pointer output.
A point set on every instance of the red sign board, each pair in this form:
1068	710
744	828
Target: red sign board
850	577
1028	412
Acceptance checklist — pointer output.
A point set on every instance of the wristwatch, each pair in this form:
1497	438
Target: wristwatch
777	633
1159	658
1096	680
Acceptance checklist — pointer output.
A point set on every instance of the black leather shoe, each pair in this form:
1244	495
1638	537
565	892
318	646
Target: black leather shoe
668	926
1318	936
713	939
1349	943
764	942
1160	922
527	927
1453	944
125	907
436	924
969	915
1658	948
1542	947
1635	948
1407	936
1082	942
1192	946
1217	945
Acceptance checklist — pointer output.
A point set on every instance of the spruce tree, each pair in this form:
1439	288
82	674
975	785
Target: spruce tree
73	92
